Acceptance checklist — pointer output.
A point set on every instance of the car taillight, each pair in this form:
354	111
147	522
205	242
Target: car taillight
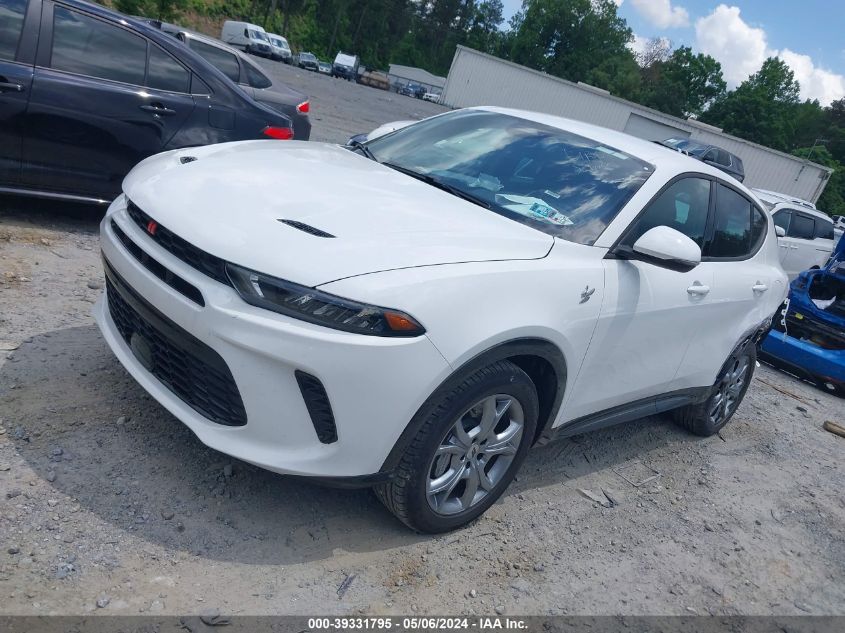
303	107
279	133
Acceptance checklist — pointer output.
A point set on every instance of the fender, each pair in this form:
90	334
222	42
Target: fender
518	347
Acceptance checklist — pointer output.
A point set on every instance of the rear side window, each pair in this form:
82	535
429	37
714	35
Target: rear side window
737	226
165	73
824	229
87	46
11	25
802	227
723	158
220	59
683	207
255	77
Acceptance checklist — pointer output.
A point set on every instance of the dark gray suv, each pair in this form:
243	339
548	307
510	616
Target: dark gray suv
710	154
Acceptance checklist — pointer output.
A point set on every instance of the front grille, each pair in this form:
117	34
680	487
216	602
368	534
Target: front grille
188	367
204	262
157	268
318	405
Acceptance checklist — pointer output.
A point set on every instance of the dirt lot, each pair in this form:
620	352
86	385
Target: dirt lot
108	504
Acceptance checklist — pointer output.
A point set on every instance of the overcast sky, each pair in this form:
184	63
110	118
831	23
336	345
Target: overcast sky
806	34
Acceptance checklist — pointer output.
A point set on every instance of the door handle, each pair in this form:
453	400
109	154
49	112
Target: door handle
157	108
698	290
11	86
759	287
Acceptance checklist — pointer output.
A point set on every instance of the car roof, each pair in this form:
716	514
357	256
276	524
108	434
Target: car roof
775	197
660	156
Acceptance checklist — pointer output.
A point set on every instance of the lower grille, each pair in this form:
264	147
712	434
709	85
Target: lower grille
188	367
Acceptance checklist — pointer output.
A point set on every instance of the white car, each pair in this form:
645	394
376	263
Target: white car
431	96
808	234
468	286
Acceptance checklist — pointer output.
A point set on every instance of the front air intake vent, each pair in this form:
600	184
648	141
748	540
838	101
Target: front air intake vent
187	159
319	408
305	228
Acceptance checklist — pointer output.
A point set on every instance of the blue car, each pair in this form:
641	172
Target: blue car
808	335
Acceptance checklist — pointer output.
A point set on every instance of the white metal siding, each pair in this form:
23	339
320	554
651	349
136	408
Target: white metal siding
479	79
651	130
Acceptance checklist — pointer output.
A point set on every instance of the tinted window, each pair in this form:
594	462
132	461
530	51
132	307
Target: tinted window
824	229
802	227
723	158
165	73
758	228
782	218
732	225
90	47
217	57
553	180
683	207
255	77
11	24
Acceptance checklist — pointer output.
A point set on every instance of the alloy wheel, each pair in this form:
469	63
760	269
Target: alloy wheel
730	386
474	455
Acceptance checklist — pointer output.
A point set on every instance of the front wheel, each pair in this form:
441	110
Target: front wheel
708	417
472	439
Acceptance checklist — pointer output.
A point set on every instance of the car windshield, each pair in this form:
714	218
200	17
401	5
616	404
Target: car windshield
308	56
257	35
690	147
555	181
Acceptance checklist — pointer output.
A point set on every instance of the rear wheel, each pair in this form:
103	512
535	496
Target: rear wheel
708	417
472	440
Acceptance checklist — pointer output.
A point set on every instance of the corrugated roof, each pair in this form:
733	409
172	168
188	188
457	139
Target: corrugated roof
417	75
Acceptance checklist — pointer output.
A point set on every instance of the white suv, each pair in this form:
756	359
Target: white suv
467	286
808	234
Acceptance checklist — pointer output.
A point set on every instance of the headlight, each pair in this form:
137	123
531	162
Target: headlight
322	308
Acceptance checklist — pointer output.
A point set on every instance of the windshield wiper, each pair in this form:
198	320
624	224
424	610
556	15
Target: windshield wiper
356	146
435	182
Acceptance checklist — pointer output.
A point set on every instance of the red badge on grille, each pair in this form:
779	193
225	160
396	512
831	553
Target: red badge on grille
152	227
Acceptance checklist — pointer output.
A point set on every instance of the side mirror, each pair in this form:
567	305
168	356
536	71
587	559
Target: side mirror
668	248
779	231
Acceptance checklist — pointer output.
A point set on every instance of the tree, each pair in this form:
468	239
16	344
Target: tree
684	84
166	10
568	38
762	108
832	200
656	49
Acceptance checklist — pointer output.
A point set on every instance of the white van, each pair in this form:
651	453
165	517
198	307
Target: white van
281	48
249	37
807	237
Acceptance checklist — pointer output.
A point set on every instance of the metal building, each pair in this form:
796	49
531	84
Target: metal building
402	75
476	78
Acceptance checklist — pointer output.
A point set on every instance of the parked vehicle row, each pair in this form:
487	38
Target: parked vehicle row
86	93
614	280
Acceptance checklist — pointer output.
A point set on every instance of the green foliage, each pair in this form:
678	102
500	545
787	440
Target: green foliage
684	84
166	10
569	38
832	200
763	108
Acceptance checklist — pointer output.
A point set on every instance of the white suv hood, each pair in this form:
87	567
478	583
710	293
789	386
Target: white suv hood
229	201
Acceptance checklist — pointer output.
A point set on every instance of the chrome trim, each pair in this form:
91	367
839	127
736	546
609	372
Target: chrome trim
52	195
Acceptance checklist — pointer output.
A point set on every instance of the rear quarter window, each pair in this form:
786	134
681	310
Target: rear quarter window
824	229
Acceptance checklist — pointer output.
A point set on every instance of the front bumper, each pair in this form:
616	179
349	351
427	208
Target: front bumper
374	385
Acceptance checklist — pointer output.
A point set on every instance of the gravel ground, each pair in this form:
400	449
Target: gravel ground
108	504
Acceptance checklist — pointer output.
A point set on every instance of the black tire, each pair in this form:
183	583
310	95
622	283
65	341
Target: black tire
698	418
405	495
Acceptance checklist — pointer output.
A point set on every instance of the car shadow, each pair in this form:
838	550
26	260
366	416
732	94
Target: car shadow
25	212
79	419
